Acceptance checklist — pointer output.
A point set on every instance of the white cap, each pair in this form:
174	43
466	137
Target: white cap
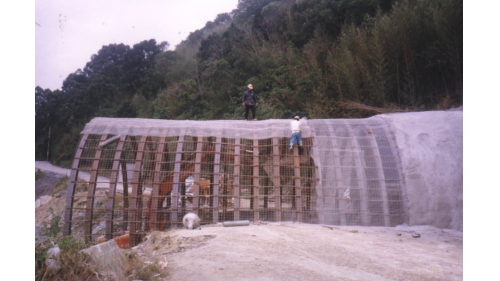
250	86
296	117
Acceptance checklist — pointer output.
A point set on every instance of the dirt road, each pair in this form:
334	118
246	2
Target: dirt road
102	182
296	251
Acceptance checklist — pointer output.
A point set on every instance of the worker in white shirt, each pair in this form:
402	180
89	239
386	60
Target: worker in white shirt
295	124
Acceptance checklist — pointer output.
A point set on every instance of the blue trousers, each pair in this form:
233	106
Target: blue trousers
295	136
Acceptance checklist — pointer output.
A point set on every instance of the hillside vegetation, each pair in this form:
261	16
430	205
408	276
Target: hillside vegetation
315	58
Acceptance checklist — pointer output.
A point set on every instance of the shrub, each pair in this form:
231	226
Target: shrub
52	229
74	264
38	175
138	270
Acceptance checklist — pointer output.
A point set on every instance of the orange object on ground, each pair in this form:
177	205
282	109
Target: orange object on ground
123	241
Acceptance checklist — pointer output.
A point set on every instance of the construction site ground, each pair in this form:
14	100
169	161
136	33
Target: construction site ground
299	251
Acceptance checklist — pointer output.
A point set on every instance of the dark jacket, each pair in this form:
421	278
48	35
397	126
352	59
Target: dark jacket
249	98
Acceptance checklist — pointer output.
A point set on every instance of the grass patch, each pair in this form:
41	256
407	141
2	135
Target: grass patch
52	229
74	265
38	175
60	185
139	270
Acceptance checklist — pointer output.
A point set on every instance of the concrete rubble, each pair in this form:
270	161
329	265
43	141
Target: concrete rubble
108	259
52	260
43	200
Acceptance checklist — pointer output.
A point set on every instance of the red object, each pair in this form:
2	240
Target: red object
123	241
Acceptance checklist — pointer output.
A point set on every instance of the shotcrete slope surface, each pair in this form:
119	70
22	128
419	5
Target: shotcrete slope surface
430	145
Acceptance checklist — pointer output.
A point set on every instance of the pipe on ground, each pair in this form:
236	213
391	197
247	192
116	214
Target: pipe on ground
236	223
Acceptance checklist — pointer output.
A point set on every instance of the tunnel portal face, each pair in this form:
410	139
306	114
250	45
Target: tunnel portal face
136	175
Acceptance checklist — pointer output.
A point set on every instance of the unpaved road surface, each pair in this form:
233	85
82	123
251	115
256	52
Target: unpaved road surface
102	182
296	251
47	167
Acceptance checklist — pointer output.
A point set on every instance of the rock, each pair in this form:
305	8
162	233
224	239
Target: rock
99	227
101	239
38	231
52	264
52	260
37	203
54	252
353	231
108	258
415	235
398	234
45	199
191	221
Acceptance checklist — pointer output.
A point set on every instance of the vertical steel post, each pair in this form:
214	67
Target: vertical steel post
276	178
360	165
338	176
68	212
256	189
236	183
381	179
297	183
112	188
197	172
176	184
134	202
89	209
318	185
156	184
216	179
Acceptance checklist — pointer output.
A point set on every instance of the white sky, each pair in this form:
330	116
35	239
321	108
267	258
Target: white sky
70	32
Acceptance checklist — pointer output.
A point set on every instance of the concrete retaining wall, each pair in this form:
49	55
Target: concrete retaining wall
430	146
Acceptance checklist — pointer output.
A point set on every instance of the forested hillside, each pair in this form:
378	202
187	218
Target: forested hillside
314	58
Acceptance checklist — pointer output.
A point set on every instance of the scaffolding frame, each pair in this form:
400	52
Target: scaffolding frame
145	177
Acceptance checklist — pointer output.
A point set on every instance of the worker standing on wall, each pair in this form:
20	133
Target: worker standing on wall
249	102
295	125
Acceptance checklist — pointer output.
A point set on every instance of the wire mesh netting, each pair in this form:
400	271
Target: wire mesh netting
136	175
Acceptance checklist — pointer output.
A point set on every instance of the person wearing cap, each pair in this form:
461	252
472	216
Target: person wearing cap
295	125
249	102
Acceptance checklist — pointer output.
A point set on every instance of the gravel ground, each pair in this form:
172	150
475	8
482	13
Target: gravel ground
297	251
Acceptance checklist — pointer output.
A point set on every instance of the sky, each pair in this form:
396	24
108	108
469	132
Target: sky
68	33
